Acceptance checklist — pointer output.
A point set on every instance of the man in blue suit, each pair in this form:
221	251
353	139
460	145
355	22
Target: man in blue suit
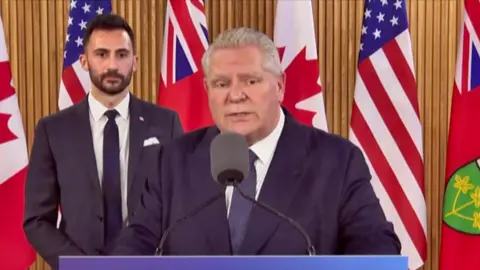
320	180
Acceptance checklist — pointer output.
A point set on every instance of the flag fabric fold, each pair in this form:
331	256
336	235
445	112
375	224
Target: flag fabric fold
15	251
460	236
294	36
386	125
185	40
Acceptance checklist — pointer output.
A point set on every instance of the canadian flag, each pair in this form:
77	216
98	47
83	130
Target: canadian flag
294	36
15	251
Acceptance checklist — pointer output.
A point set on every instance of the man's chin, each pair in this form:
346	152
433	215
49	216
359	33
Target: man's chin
112	92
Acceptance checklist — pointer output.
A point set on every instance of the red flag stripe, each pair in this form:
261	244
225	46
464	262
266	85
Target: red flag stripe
472	9
389	180
403	72
198	5
392	120
73	85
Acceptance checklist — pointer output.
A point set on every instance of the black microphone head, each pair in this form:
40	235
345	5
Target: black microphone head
229	159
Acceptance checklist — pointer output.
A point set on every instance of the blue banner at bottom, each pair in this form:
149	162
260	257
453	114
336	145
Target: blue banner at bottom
236	263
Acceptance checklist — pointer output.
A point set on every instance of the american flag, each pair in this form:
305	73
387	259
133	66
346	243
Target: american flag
386	125
75	82
181	78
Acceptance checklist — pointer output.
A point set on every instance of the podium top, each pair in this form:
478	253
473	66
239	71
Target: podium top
234	262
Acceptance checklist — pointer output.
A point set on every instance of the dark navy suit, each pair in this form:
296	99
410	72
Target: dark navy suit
63	171
318	179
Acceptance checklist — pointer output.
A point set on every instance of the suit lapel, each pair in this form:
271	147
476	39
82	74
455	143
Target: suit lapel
85	151
282	181
214	222
138	129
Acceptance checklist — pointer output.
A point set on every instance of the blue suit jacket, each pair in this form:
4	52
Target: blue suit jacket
320	180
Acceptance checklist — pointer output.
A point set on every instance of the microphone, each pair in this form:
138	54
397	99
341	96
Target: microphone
230	165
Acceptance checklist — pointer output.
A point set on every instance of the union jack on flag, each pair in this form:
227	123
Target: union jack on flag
386	124
185	41
75	82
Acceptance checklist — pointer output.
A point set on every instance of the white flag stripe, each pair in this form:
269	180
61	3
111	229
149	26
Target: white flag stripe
473	36
64	99
458	67
319	120
3	49
405	43
163	63
390	150
408	248
398	97
198	16
82	76
294	29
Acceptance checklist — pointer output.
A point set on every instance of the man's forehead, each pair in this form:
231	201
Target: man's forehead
117	39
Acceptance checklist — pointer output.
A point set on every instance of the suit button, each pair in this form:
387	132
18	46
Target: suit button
100	218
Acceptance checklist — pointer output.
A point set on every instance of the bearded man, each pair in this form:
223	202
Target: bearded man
91	160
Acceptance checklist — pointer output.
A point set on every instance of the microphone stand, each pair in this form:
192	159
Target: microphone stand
311	248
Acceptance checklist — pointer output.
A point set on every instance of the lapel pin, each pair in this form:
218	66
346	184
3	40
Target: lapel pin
141	118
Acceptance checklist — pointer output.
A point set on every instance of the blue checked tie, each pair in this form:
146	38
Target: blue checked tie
112	199
240	207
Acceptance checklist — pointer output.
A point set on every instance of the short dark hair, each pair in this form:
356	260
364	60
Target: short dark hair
108	22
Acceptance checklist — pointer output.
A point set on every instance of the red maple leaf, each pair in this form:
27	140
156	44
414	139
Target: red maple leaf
5	134
6	90
301	83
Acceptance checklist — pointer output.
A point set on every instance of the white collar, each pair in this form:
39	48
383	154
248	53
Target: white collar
265	148
98	110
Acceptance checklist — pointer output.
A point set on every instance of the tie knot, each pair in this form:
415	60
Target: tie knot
111	114
252	157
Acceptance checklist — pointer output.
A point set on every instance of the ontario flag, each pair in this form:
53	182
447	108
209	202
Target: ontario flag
75	83
15	251
294	36
460	241
181	76
386	123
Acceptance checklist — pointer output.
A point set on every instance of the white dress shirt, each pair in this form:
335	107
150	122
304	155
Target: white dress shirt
97	123
264	149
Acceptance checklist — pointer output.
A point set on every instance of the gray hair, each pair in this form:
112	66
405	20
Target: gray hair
244	36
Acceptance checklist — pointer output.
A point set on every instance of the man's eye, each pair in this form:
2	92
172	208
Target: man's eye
220	85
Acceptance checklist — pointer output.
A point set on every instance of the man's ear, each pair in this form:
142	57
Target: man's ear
205	85
83	61
135	63
281	83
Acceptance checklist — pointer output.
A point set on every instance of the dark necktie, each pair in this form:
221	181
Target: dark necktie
111	179
240	207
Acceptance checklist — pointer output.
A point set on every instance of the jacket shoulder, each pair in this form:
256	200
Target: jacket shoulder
330	144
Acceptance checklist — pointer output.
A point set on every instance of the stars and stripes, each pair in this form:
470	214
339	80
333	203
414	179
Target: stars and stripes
75	83
181	79
386	125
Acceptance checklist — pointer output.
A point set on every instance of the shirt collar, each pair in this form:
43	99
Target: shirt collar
265	148
98	110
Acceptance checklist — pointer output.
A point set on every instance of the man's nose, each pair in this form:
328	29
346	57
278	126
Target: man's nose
112	63
236	92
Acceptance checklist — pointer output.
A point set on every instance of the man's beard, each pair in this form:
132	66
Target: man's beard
111	90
